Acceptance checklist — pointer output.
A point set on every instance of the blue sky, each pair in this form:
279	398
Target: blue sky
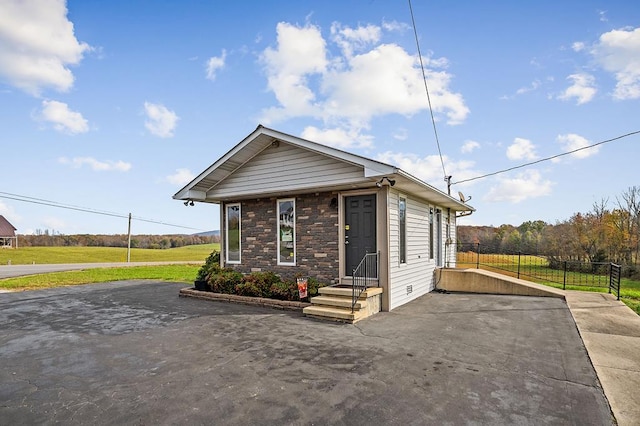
114	106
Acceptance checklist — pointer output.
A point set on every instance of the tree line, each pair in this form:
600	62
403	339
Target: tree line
610	232
53	239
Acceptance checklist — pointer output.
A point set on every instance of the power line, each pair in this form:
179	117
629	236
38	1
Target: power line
548	158
33	200
426	88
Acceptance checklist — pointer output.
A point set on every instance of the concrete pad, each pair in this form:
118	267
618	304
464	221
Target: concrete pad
611	334
136	353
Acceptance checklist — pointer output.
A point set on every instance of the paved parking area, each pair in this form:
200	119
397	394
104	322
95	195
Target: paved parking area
136	353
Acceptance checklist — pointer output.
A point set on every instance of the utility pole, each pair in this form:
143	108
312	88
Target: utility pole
129	241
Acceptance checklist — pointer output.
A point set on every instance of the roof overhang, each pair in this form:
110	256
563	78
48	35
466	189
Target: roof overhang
262	138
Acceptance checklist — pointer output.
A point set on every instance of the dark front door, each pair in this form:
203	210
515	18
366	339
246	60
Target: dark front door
359	229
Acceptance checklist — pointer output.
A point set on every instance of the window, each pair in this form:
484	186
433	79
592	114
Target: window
402	212
233	233
286	232
431	235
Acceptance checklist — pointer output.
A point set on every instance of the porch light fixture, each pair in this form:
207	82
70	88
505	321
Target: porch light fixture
189	203
391	182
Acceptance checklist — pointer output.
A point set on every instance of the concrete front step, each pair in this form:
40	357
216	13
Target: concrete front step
334	303
338	301
333	313
347	291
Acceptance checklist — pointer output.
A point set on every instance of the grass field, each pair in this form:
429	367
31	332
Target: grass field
40	255
176	273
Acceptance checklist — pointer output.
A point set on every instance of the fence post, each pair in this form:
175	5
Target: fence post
564	279
478	257
518	264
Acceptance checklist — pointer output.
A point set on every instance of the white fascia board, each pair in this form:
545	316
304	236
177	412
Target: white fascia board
183	193
459	206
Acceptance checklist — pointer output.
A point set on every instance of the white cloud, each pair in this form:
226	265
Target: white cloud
578	46
401	134
583	88
181	177
37	45
603	16
300	52
365	79
63	119
160	120
99	166
214	64
338	137
53	223
571	142
393	26
351	40
10	214
618	52
526	185
429	168
521	149
469	146
533	86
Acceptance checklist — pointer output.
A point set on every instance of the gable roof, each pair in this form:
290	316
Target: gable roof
6	229
206	187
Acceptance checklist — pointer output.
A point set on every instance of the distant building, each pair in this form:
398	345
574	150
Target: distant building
8	237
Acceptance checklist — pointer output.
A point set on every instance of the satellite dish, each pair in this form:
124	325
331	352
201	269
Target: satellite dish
462	197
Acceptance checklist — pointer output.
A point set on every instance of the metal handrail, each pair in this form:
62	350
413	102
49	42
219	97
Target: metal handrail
366	271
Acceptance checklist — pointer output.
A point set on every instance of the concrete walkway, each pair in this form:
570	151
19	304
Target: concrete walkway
610	331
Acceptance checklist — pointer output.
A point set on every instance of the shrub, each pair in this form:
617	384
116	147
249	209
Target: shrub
248	288
211	267
225	281
284	290
263	282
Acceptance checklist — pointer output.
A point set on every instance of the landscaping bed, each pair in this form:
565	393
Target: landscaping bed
257	288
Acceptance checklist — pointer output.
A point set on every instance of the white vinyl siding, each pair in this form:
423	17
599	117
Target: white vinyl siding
450	249
286	168
417	272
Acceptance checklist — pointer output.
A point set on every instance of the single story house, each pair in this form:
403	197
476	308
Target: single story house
293	206
8	237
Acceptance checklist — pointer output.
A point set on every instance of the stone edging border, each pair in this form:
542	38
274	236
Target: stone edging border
244	300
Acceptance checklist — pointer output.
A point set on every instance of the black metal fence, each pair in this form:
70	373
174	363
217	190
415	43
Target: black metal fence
537	268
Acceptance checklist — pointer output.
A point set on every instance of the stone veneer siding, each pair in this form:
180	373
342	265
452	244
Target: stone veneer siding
316	218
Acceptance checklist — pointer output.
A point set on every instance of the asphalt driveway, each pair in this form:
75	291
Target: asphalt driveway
135	353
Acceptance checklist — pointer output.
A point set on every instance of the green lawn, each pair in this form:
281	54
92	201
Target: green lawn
176	273
40	255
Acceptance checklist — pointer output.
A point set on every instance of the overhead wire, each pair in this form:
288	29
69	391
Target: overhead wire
548	158
426	88
41	201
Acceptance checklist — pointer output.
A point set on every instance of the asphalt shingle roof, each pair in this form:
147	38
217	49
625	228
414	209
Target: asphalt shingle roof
6	229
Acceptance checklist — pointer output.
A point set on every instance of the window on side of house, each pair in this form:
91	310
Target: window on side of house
232	235
402	216
431	235
287	232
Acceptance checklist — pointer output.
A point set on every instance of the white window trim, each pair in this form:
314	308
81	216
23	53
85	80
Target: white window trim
400	242
278	201
226	236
